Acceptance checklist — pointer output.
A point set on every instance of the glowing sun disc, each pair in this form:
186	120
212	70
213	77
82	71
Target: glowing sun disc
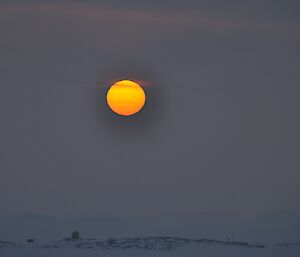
126	97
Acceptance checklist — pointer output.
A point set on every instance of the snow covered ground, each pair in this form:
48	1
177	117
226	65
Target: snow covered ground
147	247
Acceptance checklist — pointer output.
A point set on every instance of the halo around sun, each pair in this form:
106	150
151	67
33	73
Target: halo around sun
126	97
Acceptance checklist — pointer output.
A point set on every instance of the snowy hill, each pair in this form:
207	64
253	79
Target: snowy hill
147	247
4	244
143	243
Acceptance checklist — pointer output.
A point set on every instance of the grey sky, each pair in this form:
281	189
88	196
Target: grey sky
219	134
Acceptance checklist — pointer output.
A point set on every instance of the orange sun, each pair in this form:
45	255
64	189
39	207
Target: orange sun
126	97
